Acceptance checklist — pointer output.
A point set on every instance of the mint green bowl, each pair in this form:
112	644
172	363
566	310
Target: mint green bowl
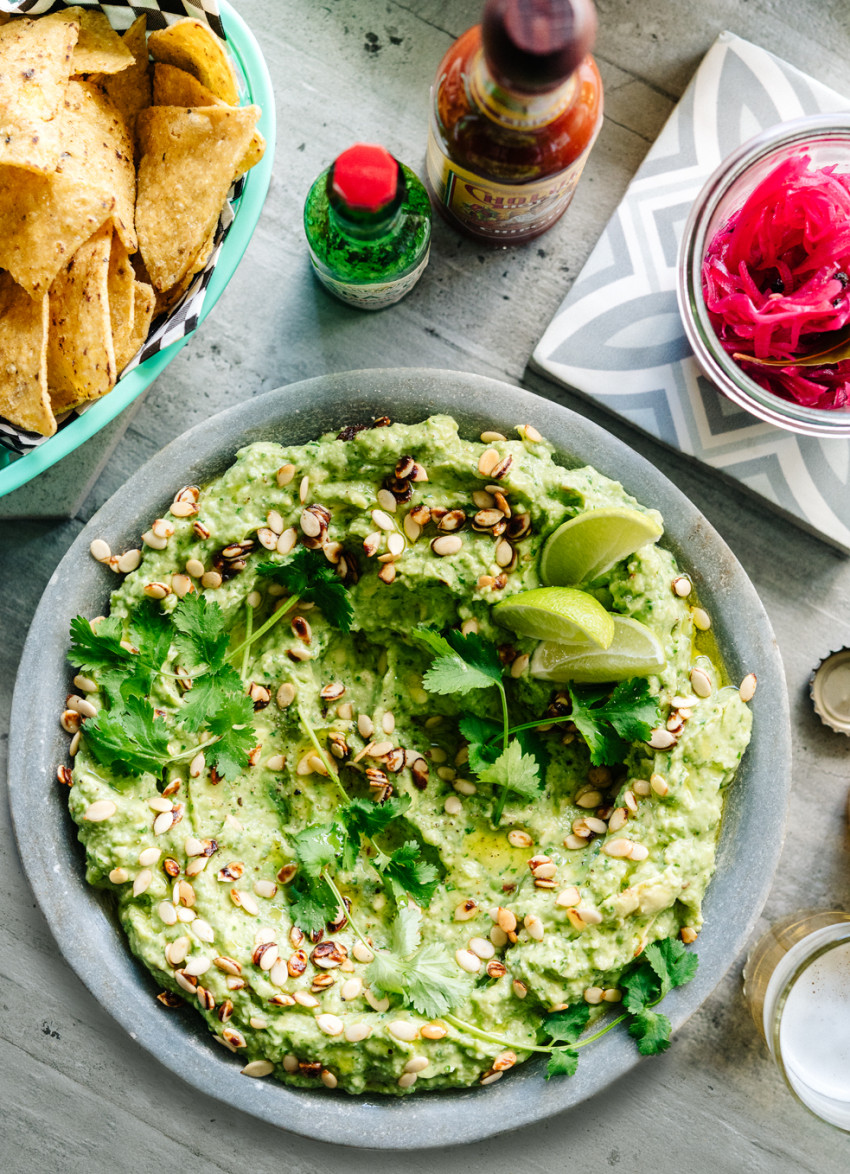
15	470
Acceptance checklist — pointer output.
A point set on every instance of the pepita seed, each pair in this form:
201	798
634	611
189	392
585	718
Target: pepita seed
403	1029
286	542
488	460
382	520
100	810
700	682
661	739
447	545
129	561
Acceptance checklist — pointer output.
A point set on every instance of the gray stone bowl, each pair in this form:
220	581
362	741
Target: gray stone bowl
82	919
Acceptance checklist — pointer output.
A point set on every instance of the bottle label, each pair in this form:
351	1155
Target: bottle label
372	295
513	110
500	210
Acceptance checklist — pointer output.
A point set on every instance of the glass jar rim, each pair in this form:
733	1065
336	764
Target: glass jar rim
717	364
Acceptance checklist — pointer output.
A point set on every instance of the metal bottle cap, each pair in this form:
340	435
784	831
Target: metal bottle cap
830	690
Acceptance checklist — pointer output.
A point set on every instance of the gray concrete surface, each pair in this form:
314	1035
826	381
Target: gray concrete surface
78	1095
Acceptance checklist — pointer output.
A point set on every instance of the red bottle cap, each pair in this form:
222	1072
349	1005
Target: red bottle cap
534	45
365	177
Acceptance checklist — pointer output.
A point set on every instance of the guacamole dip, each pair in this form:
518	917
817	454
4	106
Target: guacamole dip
303	844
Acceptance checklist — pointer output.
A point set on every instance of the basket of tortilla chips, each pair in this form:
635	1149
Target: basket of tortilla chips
134	162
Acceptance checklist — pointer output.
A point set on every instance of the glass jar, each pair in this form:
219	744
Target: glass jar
797	985
826	139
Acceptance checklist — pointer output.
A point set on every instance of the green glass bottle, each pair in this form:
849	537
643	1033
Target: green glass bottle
368	225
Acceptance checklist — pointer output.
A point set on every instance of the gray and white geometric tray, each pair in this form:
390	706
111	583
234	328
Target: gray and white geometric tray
618	337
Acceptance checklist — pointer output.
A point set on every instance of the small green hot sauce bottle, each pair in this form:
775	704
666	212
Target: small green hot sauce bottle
368	225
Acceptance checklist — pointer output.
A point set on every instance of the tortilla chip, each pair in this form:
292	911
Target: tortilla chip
24	401
99	125
193	46
143	310
121	281
35	62
99	49
45	219
189	159
176	87
130	90
165	302
80	355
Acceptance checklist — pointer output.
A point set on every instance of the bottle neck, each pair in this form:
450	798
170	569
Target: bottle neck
512	108
365	226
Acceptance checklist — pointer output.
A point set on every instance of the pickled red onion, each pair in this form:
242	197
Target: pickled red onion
777	275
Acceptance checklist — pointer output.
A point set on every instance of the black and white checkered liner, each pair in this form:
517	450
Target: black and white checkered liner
185	316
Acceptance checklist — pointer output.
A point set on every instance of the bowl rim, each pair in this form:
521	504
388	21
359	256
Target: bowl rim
242	45
79	917
717	365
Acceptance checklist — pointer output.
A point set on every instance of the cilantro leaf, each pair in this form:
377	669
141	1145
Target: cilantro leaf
562	1062
478	732
316	848
212	692
133	739
312	904
201	700
627	715
516	771
230	723
428	980
462	663
406	931
407	873
451	674
673	964
479	653
151	633
652	1030
309	575
363	817
605	745
428	636
567	1025
202	639
632	710
641	986
366	818
434	983
102	649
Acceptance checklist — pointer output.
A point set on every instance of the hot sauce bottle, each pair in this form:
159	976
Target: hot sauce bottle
368	223
516	107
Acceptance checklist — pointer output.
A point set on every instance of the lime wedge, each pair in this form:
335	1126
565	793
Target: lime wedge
635	651
584	547
557	613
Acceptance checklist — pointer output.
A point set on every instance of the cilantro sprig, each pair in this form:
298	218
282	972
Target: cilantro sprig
664	964
128	733
609	722
426	977
322	849
307	575
461	664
